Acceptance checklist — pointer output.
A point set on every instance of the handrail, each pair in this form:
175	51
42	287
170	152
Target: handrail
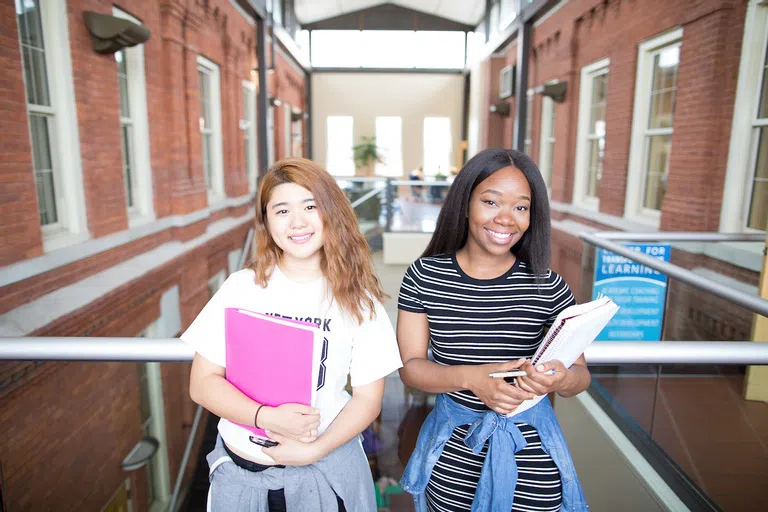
169	350
360	200
678	236
751	302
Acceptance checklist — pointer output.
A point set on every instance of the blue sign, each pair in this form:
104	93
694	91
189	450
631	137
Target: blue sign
639	291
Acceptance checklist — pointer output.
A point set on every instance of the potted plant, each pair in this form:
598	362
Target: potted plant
366	155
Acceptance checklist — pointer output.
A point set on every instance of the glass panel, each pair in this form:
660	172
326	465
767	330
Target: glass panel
528	124
41	159
207	140
389	139
597	110
595	166
758	206
762	111
204	91
33	52
656	170
122	83
437	146
128	164
339	161
663	88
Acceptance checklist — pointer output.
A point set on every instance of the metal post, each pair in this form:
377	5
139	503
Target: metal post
521	91
263	105
389	196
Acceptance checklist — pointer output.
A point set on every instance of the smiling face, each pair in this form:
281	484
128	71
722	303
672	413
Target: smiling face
295	224
499	212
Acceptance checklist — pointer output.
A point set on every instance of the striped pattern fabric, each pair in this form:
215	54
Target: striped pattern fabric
478	321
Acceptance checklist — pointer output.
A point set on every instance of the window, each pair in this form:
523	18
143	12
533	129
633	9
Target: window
547	141
745	196
655	91
339	142
210	126
47	64
388	49
528	123
437	146
248	127
389	139
215	282
134	131
590	145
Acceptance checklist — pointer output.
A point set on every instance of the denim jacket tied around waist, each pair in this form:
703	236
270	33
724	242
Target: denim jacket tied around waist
498	478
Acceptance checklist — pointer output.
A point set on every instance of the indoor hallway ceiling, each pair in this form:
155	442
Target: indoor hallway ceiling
468	12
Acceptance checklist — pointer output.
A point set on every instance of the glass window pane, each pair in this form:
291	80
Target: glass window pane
758	206
122	83
595	167
437	50
336	48
207	164
437	145
662	108
656	170
389	139
128	164
339	160
36	77
204	92
763	108
30	25
41	160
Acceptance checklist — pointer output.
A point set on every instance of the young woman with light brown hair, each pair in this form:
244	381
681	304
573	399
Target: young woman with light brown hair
311	263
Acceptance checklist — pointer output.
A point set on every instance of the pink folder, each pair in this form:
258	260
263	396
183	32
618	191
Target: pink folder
272	360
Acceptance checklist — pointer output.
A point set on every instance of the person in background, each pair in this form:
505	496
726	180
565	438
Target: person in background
482	297
311	262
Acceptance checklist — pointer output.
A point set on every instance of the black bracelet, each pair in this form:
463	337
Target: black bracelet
256	416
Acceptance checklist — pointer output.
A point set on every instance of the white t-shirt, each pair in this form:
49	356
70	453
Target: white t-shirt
366	351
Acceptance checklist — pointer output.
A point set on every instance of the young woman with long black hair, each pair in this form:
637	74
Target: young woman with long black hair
482	297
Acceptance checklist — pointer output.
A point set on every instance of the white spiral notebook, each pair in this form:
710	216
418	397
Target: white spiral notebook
574	329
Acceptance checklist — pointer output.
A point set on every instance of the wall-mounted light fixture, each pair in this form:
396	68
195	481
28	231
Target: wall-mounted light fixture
274	101
501	108
140	454
555	90
297	116
111	34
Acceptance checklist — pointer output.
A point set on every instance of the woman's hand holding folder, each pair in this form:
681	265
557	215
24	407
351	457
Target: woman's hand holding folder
542	379
294	421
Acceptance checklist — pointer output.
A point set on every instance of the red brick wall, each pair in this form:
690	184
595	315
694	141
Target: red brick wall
59	421
584	31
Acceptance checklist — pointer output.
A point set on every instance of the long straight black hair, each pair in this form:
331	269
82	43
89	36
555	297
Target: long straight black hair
453	226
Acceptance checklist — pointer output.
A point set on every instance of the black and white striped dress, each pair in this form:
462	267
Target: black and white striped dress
478	321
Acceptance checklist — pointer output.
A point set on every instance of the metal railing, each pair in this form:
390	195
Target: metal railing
605	241
173	350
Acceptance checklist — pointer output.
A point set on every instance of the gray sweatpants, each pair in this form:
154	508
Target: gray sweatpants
344	472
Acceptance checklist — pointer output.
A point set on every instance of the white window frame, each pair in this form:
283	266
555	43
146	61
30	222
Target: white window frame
143	208
743	144
547	140
248	126
215	282
388	168
581	176
216	187
633	207
64	140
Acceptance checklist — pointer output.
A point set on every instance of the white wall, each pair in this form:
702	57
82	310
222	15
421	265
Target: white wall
368	95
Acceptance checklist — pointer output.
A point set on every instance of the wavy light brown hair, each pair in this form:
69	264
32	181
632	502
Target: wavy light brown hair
345	256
